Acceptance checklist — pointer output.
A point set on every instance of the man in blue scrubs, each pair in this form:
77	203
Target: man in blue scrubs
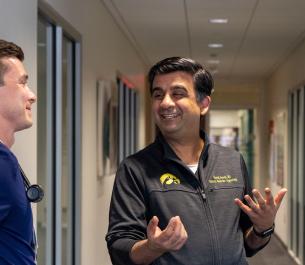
17	236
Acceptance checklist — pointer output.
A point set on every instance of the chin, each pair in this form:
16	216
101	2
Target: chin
168	130
24	126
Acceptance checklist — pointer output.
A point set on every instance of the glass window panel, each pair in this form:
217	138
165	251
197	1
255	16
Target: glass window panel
66	181
44	220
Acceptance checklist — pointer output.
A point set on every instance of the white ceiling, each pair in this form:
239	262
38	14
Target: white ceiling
258	37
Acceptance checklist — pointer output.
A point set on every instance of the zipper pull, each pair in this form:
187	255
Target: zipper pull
203	195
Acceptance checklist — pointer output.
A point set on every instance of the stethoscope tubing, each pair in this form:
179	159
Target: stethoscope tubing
34	193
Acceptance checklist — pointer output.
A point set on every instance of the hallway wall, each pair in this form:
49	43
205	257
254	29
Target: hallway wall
288	76
105	51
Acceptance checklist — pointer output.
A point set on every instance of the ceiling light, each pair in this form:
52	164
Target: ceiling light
213	61
215	45
218	20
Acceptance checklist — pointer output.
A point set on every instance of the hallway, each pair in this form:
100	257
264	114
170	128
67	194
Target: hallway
274	254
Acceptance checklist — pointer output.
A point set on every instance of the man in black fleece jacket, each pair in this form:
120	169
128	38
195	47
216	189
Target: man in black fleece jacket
182	200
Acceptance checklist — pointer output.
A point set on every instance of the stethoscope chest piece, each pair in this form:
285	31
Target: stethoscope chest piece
34	193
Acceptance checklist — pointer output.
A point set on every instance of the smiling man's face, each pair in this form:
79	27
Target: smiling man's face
16	98
174	104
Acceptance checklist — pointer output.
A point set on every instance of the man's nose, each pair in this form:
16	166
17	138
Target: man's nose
167	101
32	96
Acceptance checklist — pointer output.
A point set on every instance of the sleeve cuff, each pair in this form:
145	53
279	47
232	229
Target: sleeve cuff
119	251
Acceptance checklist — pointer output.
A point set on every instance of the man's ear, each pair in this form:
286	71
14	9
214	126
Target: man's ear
205	105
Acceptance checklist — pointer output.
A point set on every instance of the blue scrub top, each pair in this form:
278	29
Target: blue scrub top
17	242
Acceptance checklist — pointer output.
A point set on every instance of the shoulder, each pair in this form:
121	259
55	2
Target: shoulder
6	153
8	165
224	155
222	150
137	165
145	155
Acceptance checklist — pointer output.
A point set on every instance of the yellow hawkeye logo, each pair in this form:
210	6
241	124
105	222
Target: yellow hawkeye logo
169	179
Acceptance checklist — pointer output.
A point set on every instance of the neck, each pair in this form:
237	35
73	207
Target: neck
7	138
7	142
7	132
188	151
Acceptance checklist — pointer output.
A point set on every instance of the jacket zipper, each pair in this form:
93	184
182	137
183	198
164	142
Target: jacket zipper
210	224
203	195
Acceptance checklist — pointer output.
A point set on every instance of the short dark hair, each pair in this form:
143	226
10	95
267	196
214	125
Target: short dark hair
7	50
203	80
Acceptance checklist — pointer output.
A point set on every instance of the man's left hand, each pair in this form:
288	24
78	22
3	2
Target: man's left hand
262	212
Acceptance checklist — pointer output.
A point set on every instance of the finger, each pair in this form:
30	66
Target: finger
179	244
169	231
251	203
180	237
172	224
175	226
152	225
170	236
279	197
269	197
245	208
259	198
184	233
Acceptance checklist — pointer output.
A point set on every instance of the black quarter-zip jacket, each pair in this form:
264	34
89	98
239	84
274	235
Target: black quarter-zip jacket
155	181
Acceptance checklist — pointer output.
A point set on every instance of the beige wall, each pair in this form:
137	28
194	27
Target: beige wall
288	76
236	93
105	51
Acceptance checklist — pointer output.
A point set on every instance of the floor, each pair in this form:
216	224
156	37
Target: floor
273	254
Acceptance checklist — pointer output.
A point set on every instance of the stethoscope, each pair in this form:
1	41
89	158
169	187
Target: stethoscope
34	193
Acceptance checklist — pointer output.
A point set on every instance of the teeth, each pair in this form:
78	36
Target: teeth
169	116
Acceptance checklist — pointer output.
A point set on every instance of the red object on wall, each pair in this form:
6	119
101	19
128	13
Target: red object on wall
271	126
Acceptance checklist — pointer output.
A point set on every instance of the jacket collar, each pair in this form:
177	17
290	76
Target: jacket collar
169	153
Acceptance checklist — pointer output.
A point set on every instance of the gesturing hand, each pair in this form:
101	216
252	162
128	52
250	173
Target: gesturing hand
171	238
262	212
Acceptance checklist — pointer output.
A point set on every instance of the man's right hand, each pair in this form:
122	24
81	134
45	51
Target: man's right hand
158	241
171	238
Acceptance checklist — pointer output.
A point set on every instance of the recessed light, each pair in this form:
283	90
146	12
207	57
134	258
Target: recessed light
218	20
213	61
215	45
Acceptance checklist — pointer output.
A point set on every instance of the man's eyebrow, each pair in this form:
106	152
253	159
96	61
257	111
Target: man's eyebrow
179	87
156	89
